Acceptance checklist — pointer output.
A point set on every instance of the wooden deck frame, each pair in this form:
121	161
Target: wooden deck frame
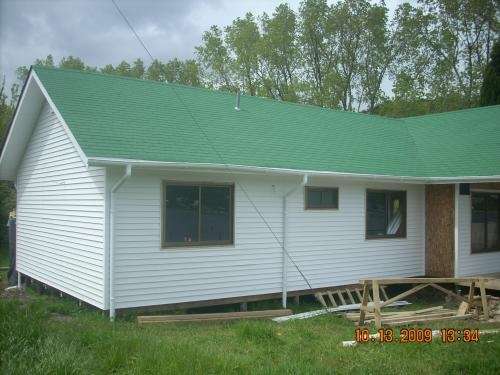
421	284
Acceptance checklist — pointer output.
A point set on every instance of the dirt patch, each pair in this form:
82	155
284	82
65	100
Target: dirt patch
60	317
14	293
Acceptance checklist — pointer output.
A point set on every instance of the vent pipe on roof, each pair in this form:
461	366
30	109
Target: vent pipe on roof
238	96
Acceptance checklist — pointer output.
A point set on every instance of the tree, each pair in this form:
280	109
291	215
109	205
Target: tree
71	62
108	69
137	70
377	55
243	40
156	71
214	57
317	55
7	192
123	69
490	90
280	54
184	72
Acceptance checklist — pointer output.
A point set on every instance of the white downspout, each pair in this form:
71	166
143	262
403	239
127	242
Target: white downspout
116	186
284	239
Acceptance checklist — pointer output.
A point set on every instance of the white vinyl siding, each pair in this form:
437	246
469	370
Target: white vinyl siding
329	246
60	214
469	264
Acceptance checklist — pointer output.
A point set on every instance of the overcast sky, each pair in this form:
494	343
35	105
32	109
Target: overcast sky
94	31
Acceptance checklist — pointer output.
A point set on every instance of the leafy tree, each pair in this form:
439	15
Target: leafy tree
490	90
71	62
314	36
108	69
185	72
137	70
243	40
123	69
156	71
377	55
214	57
7	192
280	54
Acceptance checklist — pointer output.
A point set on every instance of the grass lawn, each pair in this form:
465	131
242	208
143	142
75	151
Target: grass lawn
42	334
4	256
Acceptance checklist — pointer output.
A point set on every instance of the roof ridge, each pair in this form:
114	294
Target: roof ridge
221	92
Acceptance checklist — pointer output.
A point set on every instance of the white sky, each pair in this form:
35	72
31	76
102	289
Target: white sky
95	32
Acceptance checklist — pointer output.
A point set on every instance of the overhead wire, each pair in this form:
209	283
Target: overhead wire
219	155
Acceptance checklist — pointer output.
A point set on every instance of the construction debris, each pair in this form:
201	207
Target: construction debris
213	316
328	310
337	297
464	311
395	314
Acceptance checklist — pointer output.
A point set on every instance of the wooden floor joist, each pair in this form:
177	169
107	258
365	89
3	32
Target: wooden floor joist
213	316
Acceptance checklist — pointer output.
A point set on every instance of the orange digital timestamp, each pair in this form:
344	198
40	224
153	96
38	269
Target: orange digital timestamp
417	335
386	335
451	335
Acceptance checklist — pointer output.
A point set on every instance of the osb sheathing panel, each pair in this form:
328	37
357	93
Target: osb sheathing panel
439	230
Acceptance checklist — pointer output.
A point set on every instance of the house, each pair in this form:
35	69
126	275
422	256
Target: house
133	193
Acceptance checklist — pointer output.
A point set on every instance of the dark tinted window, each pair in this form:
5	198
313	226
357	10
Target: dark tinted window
319	197
197	215
181	213
385	214
485	229
215	213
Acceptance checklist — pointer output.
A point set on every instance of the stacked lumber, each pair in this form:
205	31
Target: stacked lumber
395	318
213	316
494	303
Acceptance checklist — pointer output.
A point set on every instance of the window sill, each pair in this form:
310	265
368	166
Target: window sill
190	247
386	238
485	252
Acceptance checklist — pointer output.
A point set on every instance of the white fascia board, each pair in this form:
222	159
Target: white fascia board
16	115
61	119
231	168
101	161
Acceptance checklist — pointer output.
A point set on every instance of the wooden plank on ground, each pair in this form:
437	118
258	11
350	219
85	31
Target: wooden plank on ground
435	314
213	316
355	315
423	320
419	280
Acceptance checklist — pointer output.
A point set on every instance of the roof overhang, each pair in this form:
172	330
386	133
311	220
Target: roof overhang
23	122
231	168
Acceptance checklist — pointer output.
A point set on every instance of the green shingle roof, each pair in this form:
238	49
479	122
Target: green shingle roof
117	117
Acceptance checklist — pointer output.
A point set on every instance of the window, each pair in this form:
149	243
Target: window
485	231
197	214
385	214
321	198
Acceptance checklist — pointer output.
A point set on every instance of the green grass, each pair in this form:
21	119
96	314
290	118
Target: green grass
4	257
47	335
